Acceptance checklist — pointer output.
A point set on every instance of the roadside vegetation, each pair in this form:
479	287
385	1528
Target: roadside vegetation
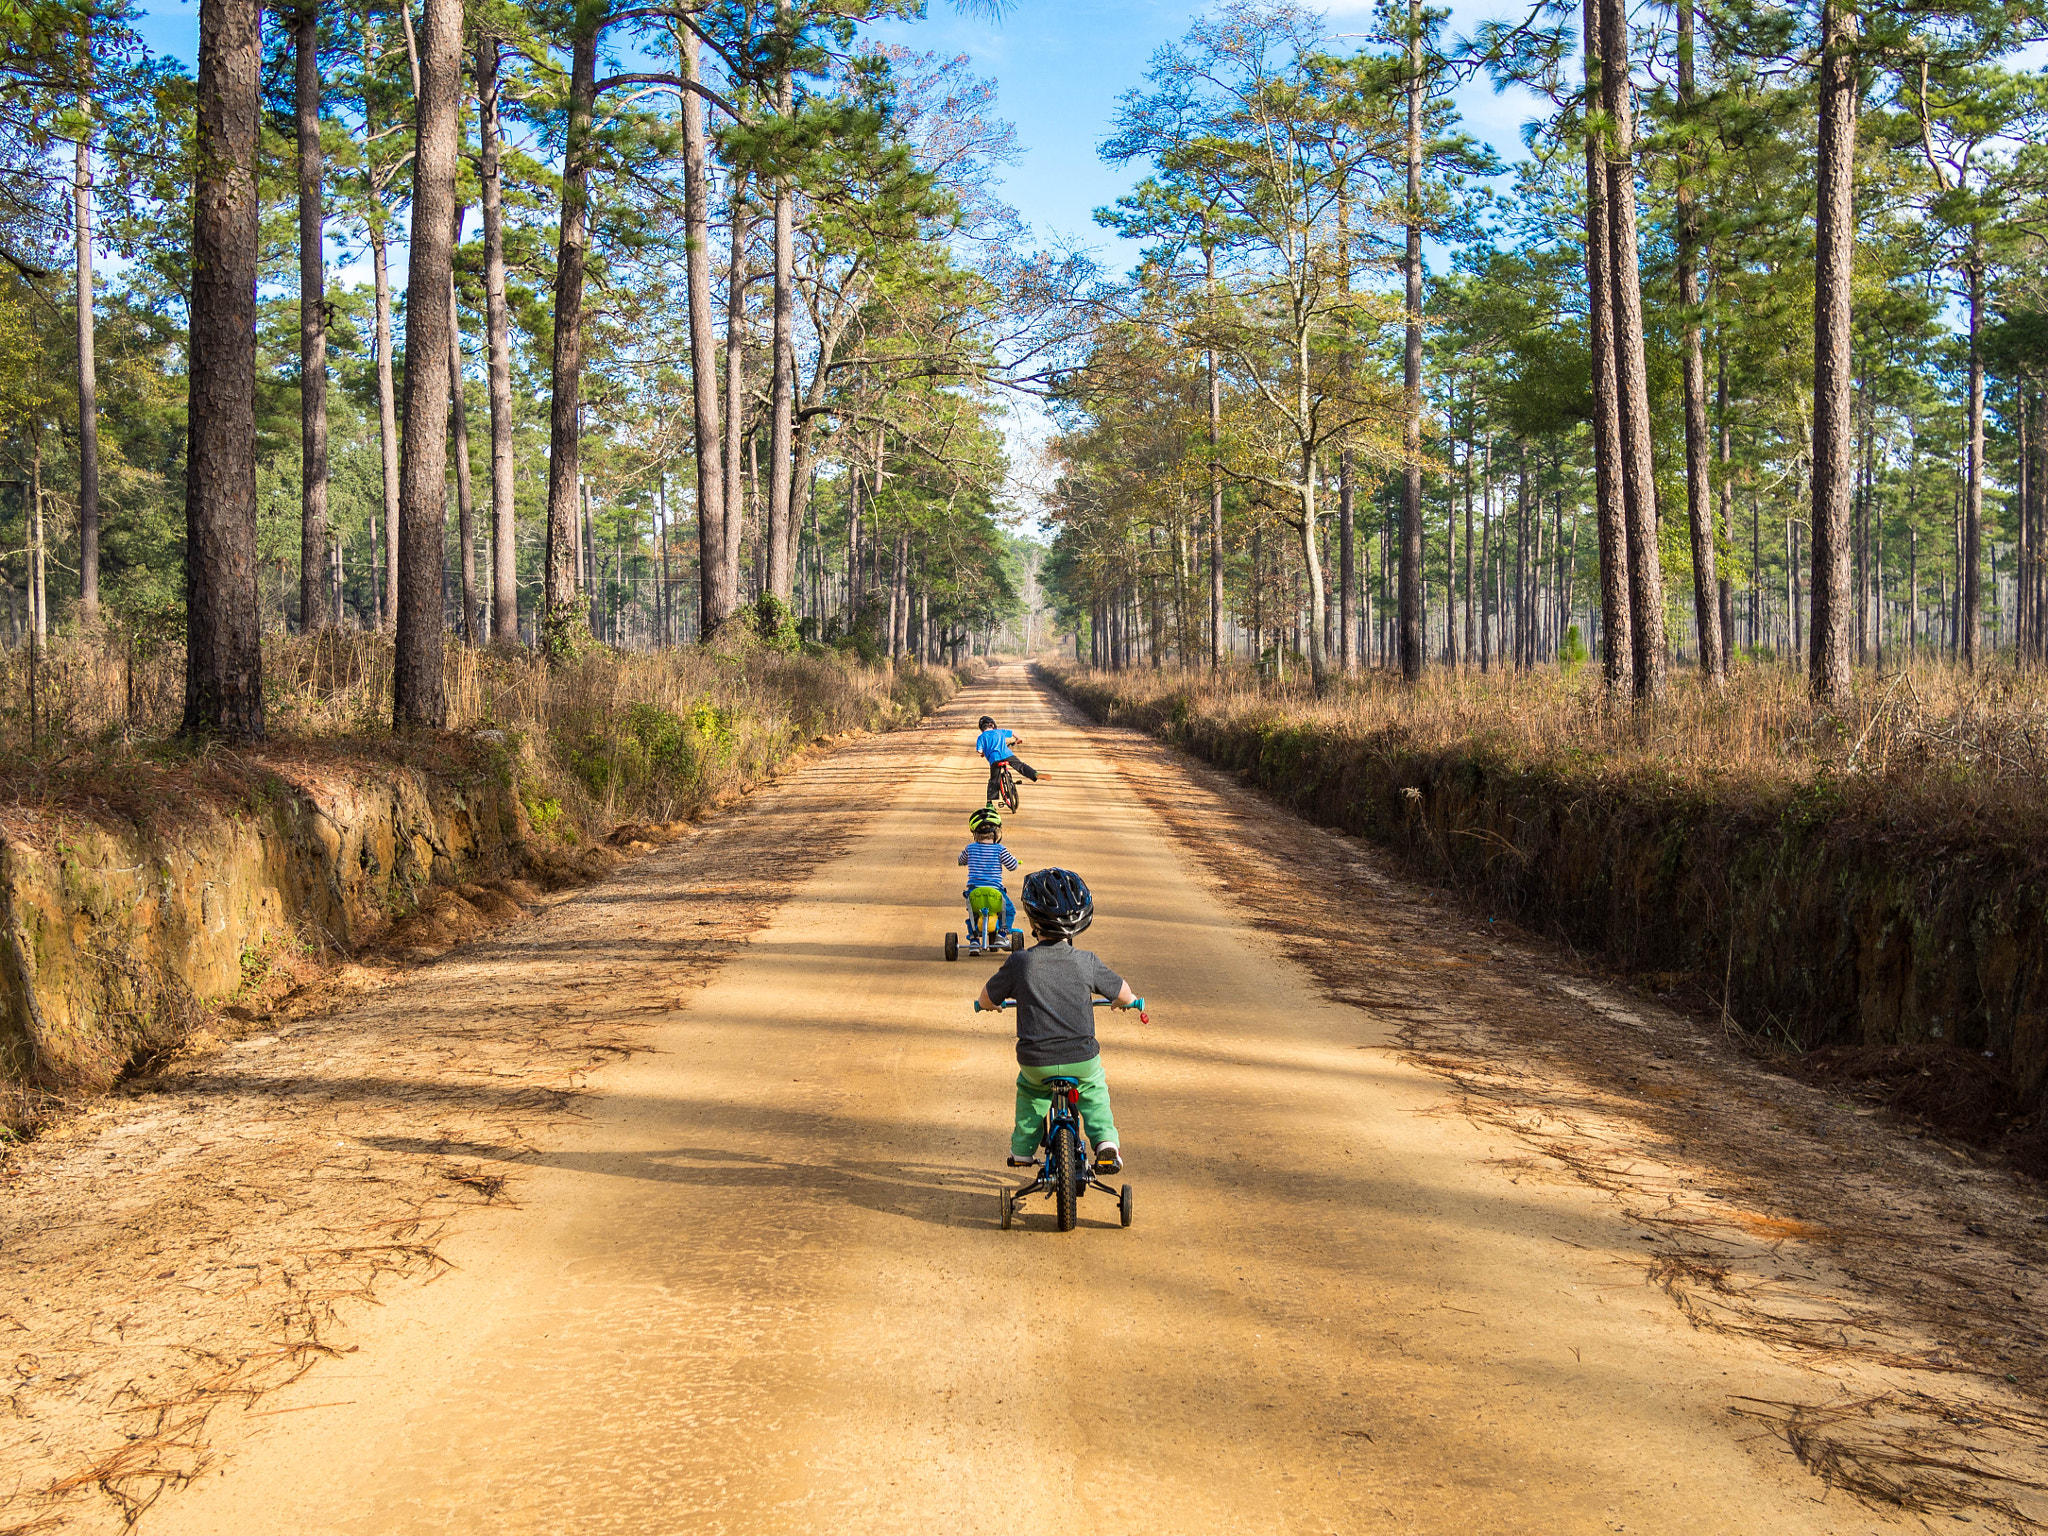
607	736
1862	897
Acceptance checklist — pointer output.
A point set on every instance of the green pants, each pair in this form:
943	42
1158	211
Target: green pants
1033	1099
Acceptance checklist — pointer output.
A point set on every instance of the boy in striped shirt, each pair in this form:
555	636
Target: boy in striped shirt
986	858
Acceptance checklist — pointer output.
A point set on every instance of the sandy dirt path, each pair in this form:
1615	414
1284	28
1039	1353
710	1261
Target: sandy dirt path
761	1288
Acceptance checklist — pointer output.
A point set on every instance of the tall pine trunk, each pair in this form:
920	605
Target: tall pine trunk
223	627
782	383
387	412
1215	477
458	411
1410	600
735	392
713	605
417	694
312	323
565	415
1973	484
1724	450
1625	288
1833	384
88	384
1698	478
1616	631
498	321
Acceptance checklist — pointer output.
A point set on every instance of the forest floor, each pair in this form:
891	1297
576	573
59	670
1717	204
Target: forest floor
676	1199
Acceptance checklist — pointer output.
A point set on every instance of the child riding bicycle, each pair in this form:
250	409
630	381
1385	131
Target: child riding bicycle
994	744
1054	985
986	858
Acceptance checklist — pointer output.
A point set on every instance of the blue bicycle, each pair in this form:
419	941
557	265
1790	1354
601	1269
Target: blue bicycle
1063	1174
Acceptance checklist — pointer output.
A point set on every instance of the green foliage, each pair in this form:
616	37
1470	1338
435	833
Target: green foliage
775	623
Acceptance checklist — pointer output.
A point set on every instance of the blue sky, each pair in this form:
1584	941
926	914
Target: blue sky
1060	66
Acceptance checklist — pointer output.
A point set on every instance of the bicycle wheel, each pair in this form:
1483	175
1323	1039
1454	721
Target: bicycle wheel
1123	1205
1010	791
1066	1168
1010	1207
1016	940
952	946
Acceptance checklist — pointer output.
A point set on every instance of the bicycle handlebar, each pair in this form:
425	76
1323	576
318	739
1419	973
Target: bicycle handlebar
1100	1002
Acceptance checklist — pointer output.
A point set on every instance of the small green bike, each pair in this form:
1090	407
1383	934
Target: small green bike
986	933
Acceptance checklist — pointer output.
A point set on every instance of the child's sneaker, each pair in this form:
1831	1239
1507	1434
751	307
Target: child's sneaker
1107	1159
1022	1162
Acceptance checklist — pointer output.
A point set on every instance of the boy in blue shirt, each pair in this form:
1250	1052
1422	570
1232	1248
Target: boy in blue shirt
986	858
994	744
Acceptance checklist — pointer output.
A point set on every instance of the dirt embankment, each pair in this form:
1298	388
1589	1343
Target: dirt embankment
174	886
1809	921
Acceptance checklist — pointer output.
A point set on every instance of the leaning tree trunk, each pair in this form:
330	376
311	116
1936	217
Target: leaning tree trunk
417	695
223	627
1616	633
312	325
1833	384
559	619
504	532
1625	288
1410	601
713	609
1699	510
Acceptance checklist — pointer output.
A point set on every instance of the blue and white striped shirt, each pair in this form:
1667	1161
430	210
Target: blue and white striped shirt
986	862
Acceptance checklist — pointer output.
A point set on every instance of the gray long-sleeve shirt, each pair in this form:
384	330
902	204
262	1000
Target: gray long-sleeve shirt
1055	986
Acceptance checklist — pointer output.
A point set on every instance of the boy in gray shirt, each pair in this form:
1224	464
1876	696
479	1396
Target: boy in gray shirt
1055	985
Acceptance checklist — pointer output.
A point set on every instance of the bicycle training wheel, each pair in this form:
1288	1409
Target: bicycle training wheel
1123	1205
1066	1164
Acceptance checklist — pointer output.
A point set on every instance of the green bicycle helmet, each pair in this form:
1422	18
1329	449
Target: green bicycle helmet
987	819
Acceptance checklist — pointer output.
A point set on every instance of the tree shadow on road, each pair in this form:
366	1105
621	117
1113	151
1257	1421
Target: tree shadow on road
938	1194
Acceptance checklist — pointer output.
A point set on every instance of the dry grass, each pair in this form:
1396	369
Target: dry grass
1985	734
617	735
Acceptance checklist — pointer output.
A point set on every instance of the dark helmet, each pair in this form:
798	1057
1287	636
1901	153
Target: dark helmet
1058	903
987	819
987	723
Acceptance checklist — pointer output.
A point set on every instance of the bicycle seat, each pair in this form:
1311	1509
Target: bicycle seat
985	898
1063	1082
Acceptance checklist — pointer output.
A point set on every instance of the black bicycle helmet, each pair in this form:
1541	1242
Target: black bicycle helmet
987	723
1058	903
987	819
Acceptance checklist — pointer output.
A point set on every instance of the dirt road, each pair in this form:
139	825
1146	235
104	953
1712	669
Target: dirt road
761	1287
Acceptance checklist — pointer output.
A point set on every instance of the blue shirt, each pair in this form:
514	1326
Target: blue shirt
994	744
986	862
